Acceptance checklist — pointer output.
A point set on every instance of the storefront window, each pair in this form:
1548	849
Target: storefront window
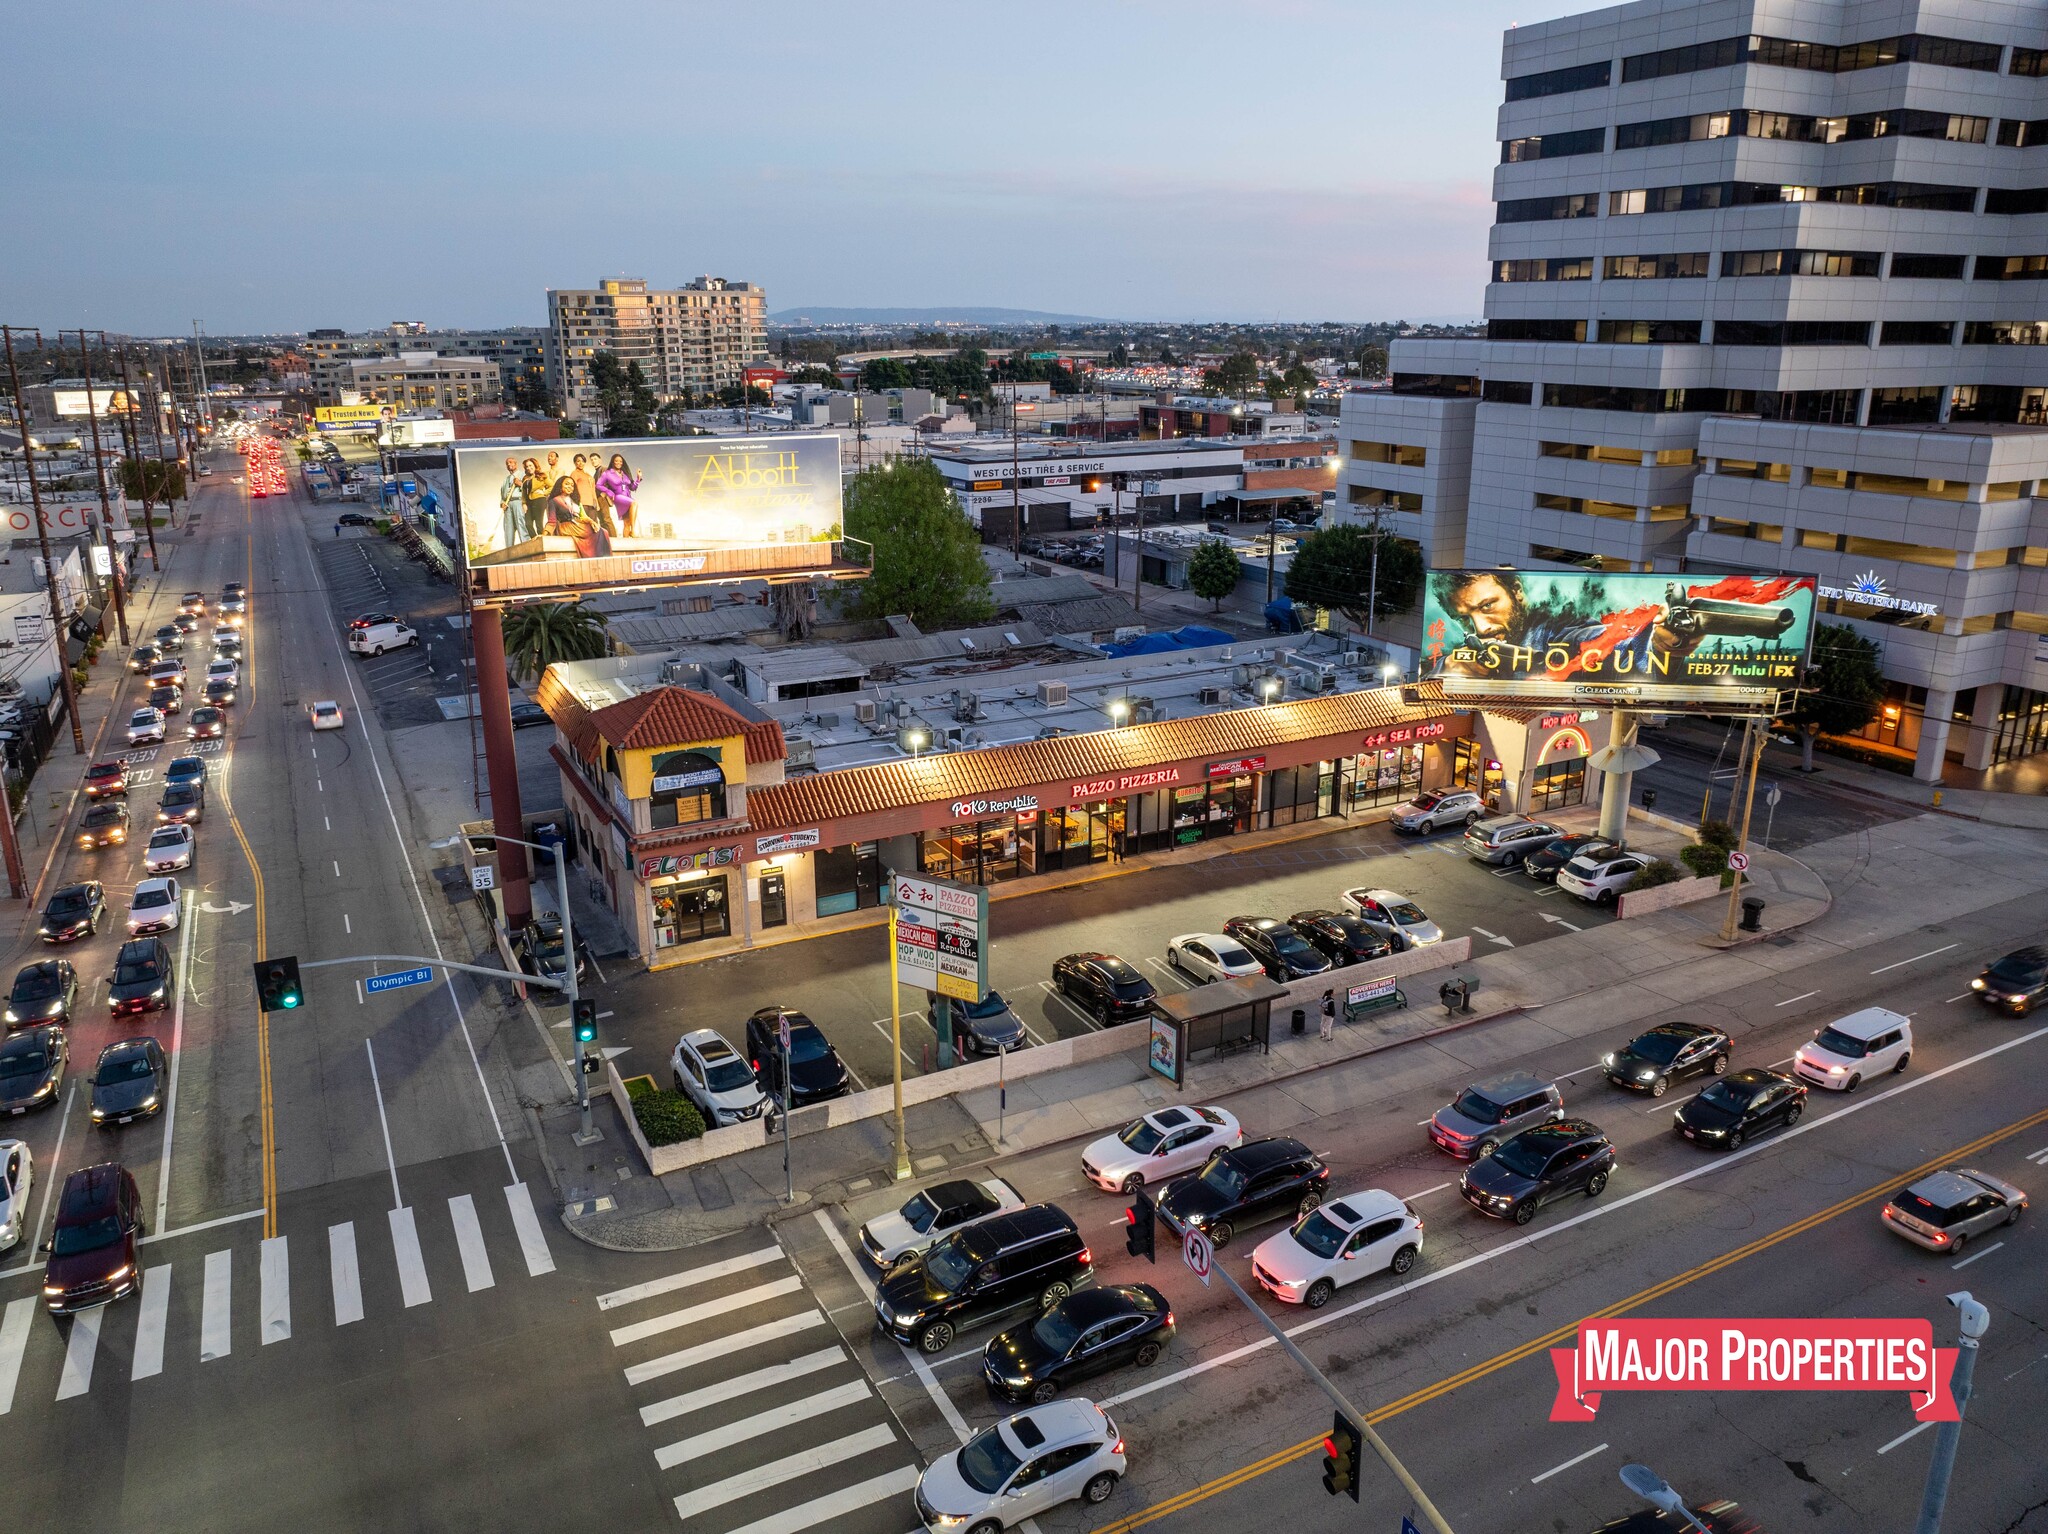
848	878
1467	759
689	786
690	910
982	852
1384	777
1300	793
1203	811
1558	786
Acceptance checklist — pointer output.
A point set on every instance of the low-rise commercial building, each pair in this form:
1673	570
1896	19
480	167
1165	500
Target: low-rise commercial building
423	381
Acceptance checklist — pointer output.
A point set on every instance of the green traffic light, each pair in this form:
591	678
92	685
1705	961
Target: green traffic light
289	1000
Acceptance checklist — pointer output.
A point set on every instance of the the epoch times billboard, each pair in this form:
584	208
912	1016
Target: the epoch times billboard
1578	637
648	506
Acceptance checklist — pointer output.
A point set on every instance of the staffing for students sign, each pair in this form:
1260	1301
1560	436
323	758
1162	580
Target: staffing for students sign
941	931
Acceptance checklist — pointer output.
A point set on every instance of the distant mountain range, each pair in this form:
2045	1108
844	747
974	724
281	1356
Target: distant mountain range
966	315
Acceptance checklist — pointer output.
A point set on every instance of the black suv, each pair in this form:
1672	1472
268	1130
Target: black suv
2017	983
1668	1052
1538	1165
1244	1185
1026	1260
815	1072
1103	986
1546	860
1286	954
1342	938
142	976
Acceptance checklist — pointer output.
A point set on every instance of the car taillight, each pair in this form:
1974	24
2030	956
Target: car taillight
1169	1318
1940	1238
1086	1255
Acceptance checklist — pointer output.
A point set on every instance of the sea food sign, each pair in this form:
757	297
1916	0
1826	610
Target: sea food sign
687	862
1404	735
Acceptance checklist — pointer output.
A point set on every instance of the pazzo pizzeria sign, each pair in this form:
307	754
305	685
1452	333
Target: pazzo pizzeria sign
1129	782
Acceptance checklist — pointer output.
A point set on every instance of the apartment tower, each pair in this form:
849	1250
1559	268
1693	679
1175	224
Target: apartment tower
700	337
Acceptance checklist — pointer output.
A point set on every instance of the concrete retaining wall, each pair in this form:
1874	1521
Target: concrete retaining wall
1664	897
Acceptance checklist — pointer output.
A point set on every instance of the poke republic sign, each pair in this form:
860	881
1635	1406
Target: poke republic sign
1831	1354
1577	637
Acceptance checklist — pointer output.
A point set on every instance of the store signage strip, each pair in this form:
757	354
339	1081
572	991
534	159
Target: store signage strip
1100	788
1238	768
1009	804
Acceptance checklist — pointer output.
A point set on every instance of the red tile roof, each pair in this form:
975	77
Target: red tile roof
661	716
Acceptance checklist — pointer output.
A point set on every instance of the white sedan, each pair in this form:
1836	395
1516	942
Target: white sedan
170	849
1337	1244
17	1181
154	907
224	670
933	1214
327	715
1394	914
1209	956
1161	1145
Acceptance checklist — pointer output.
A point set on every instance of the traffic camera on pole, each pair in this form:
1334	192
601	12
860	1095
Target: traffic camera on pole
1139	1231
277	984
1342	1451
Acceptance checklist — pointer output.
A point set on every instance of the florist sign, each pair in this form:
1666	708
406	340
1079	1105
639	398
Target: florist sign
687	862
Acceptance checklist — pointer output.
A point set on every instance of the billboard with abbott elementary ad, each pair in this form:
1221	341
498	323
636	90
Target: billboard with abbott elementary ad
1578	637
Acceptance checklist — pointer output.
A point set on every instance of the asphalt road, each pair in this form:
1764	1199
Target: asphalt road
1702	756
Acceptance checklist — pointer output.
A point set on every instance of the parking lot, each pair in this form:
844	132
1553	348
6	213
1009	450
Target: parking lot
368	573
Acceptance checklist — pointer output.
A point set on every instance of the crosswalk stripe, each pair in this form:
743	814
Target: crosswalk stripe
149	1325
412	1267
784	1468
836	1504
13	1343
533	1245
469	1241
705	1311
216	1340
675	1281
760	1424
76	1379
740	1385
342	1270
275	1276
718	1347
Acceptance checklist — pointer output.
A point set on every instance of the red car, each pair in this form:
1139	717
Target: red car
103	778
92	1250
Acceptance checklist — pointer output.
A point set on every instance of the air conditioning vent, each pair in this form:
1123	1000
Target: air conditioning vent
1209	697
1354	658
864	710
1052	694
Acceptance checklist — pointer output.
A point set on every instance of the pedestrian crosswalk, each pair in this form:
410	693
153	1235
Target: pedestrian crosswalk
763	1422
194	1310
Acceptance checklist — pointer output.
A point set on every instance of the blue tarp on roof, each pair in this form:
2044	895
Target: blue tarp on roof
1192	636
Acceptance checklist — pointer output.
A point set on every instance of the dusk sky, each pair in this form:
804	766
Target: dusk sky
263	167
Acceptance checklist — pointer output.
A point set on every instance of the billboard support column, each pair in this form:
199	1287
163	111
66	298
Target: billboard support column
494	702
1618	763
1754	734
902	1170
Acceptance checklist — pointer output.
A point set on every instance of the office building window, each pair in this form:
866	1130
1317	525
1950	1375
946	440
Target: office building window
1407	455
1436	385
1553	146
1507	391
1535	210
1560	82
2018	404
2019	133
1744	468
2006	333
1921	196
1649	332
1637	401
2005	268
1791	333
1928	264
1799	263
1828	58
1905	407
1535	330
2016	199
1917	333
1686	264
2030	61
1554	269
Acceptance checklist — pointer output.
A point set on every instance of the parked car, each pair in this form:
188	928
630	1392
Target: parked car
32	1062
1944	1210
1209	957
1669	1052
104	779
1482	1117
104	825
93	1251
1244	1185
1013	1470
356	519
1739	1107
1600	875
814	1070
1024	1260
1543	862
1432	812
170	849
45	991
1103	986
1851	1048
1077	1338
1393	913
376	638
1343	938
2017	983
1336	1244
1159	1147
17	1183
982	1027
154	907
710	1072
1284	953
525	714
143	976
539	949
1506	839
128	1082
74	911
932	1214
1537	1167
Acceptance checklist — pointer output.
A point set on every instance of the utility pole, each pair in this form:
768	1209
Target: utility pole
156	436
141	469
1754	737
35	498
99	463
1016	488
199	351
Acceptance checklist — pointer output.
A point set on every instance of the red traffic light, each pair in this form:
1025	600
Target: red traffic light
1330	1447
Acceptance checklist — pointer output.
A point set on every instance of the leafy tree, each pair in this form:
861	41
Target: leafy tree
1844	688
623	395
1166	357
1372	362
152	479
1238	374
538	636
927	554
1119	356
1334	568
1213	571
885	373
824	377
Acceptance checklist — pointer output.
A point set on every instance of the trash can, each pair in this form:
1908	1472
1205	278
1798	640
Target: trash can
1752	913
1649	798
1456	995
1300	1022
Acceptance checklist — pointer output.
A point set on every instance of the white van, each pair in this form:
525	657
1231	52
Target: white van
1853	1047
379	637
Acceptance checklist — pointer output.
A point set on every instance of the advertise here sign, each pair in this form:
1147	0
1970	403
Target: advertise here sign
675	782
938	930
1828	1354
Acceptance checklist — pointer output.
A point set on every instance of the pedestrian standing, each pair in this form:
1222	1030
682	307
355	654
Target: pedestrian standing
1329	1015
337	529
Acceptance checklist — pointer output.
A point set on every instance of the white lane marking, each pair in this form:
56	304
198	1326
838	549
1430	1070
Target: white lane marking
725	1304
1599	1211
881	1027
785	1468
343	1273
275	1275
1986	1252
149	1323
1047	987
163	1167
706	1274
1537	1480
718	1347
359	993
533	1245
14	1327
216	1337
835	1505
469	1241
1911	1432
1494	937
346	924
740	1385
858	1084
325	822
321	787
193	1230
337	867
1790	999
76	1379
2039	1157
1945	947
1425	1193
49	1172
761	1424
412	1267
383	1123
1954	999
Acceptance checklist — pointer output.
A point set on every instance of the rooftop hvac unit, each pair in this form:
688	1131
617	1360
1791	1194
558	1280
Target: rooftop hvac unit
1128	631
1354	658
801	753
1209	697
1144	711
828	721
864	710
1314	679
956	737
1052	694
1247	677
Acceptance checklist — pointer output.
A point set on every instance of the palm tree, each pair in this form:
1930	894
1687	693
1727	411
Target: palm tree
538	636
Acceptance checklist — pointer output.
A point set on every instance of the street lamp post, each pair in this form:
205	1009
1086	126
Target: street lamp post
1656	1491
1975	1320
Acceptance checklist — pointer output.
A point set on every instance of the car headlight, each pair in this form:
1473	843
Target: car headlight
46	1088
99	1113
120	1273
946	1520
157	994
53	1290
1837	1070
1607	1059
1713	1134
1198	1219
1977	984
148	1102
12	1016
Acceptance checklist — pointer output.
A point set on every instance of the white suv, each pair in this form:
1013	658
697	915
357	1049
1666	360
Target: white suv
1021	1467
1331	1246
712	1075
1853	1047
1600	874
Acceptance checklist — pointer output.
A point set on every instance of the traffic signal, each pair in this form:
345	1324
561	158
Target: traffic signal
1140	1231
585	1011
277	984
1340	1459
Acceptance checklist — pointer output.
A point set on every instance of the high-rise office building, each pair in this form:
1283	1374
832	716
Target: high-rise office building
1768	290
697	338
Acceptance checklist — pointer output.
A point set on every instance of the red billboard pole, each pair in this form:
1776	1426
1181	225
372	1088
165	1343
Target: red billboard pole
494	701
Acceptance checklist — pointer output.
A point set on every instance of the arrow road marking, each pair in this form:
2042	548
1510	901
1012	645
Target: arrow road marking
232	908
1558	919
1495	937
